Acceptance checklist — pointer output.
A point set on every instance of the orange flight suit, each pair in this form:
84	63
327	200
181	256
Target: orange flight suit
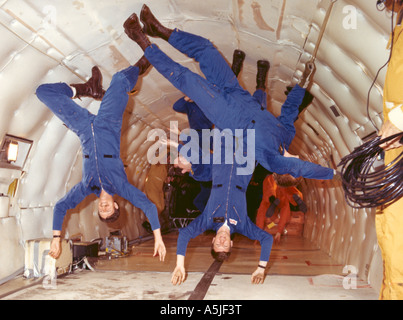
285	195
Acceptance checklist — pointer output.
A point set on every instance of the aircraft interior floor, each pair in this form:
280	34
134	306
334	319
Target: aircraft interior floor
297	270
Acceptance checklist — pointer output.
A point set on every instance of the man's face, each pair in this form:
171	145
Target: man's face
222	242
106	207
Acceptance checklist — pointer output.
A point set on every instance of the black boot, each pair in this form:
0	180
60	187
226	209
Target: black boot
143	64
237	61
263	67
135	32
92	88
152	26
301	204
274	203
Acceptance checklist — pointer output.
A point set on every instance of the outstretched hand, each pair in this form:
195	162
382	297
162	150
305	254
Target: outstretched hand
277	238
55	250
338	176
183	164
178	276
258	276
289	155
159	249
159	246
389	129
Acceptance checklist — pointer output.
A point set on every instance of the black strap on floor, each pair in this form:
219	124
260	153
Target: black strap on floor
201	289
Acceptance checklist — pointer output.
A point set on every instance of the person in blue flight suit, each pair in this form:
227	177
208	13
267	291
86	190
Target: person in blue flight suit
103	171
198	121
225	212
226	104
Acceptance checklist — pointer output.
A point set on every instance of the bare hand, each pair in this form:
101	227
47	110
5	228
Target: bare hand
388	129
178	276
289	155
277	237
55	248
338	176
258	276
159	249
183	164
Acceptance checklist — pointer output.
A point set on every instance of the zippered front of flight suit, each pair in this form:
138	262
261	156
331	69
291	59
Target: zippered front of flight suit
236	211
96	156
227	199
228	195
228	191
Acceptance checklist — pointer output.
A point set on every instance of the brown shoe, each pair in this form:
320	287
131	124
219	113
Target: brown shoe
152	26
92	88
143	64
135	32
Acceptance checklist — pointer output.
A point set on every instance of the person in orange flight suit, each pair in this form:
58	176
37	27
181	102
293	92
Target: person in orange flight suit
269	200
278	194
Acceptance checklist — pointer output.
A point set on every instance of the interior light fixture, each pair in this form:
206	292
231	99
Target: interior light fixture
14	152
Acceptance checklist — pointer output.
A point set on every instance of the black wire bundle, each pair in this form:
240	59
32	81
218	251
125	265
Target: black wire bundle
364	185
368	187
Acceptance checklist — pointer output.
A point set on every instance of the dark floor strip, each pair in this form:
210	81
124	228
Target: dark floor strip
204	283
22	288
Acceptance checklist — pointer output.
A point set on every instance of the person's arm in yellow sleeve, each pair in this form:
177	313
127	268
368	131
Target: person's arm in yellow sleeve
392	126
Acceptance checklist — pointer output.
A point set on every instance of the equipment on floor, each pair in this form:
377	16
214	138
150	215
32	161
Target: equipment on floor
116	245
367	186
83	250
38	263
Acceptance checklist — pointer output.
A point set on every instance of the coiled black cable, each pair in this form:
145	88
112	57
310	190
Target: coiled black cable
366	186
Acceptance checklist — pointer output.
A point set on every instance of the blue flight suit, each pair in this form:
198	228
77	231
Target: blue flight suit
227	199
196	117
226	104
100	141
228	202
198	121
